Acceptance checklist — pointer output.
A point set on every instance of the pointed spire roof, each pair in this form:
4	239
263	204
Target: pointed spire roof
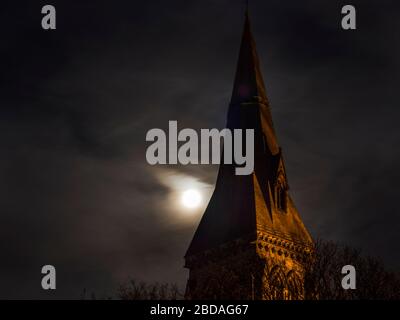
249	83
241	206
249	87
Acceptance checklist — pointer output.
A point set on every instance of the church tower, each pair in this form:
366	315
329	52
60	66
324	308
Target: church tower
251	242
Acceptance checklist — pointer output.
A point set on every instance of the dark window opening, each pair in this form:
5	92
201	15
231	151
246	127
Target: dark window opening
281	198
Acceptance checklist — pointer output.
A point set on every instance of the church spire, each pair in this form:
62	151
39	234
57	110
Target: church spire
249	88
251	221
243	205
249	83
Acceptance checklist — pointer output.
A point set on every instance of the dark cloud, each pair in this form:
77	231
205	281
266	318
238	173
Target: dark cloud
76	104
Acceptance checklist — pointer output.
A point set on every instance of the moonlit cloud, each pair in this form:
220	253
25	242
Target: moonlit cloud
178	183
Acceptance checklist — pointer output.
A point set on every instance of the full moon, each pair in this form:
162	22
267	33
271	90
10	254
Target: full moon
191	198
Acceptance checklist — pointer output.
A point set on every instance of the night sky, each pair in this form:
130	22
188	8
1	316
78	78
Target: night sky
76	103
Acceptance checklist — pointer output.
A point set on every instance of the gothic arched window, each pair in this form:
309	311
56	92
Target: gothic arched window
295	290
274	284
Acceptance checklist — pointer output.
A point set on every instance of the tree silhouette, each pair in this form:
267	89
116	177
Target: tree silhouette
144	291
323	277
320	279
